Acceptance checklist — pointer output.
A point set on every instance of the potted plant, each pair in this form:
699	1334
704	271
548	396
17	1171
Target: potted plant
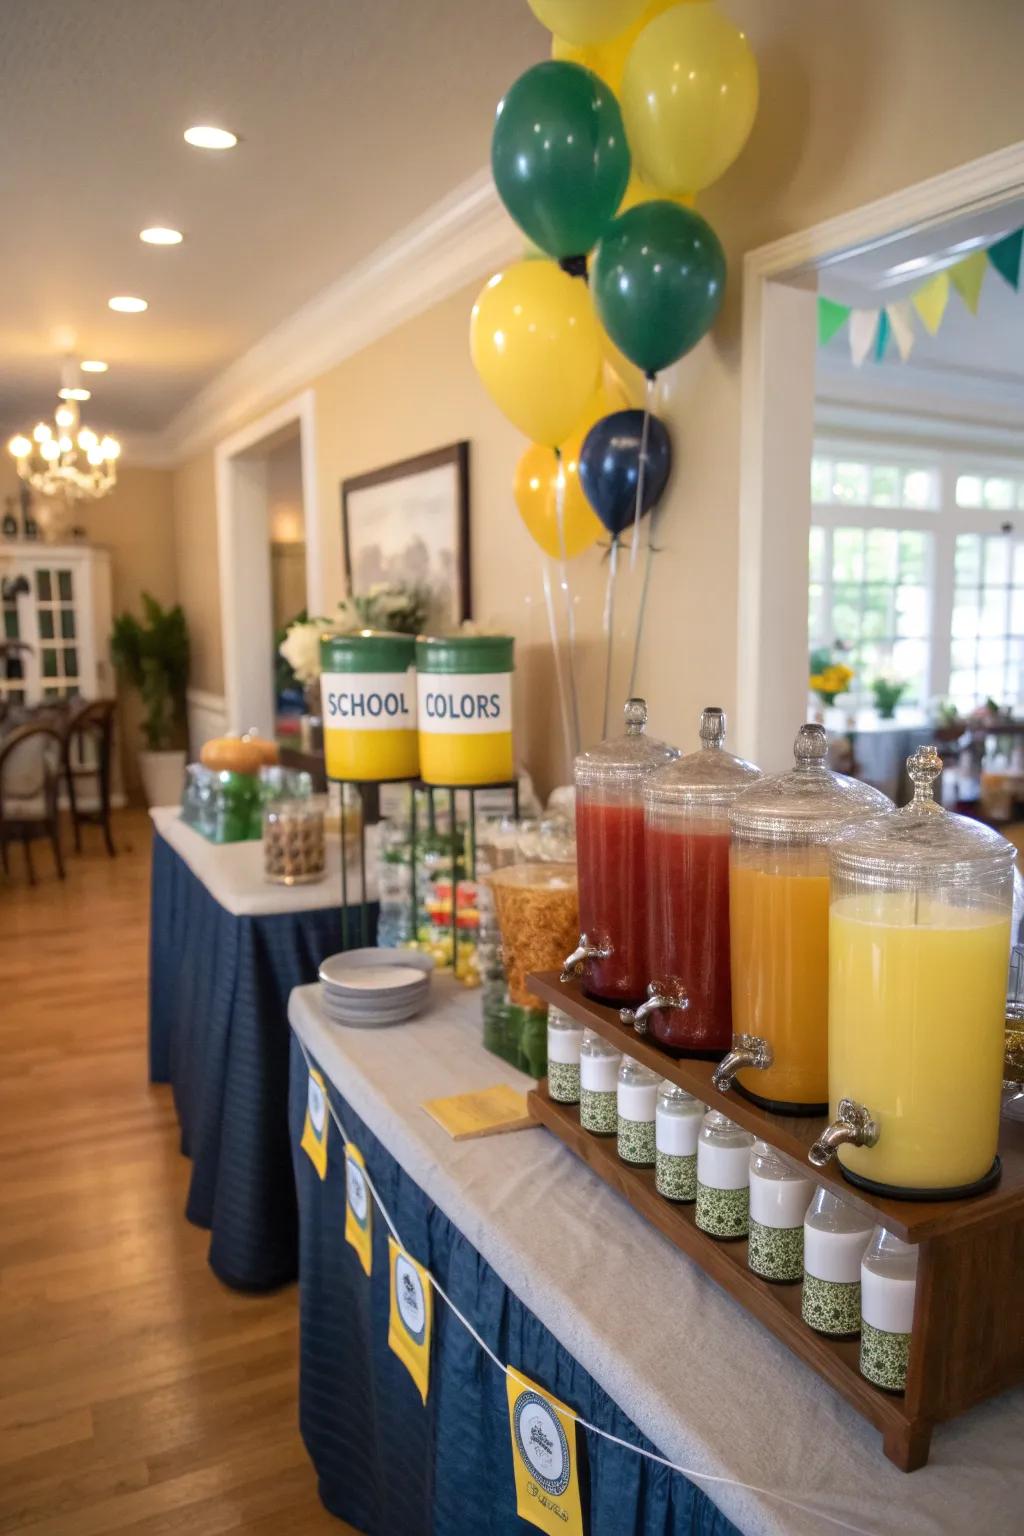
828	678
153	656
887	691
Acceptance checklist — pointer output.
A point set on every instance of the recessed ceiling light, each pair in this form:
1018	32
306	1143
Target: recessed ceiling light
158	235
75	393
126	305
93	365
205	137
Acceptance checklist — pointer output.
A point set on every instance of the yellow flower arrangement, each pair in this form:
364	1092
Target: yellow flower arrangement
831	681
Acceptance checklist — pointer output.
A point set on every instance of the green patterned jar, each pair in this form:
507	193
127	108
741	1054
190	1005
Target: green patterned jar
888	1285
723	1177
779	1197
599	1072
564	1038
835	1237
636	1101
677	1125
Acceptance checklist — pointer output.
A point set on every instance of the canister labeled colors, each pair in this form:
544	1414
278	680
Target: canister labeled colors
368	692
464	701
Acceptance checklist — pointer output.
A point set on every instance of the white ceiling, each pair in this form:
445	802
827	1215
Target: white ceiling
354	118
973	364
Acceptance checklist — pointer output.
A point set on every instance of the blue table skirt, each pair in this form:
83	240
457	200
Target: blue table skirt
387	1464
218	1032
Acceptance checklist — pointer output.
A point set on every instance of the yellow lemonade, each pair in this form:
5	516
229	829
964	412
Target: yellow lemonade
778	923
916	1021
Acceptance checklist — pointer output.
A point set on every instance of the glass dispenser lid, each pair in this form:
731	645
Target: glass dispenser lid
708	777
623	759
922	843
809	803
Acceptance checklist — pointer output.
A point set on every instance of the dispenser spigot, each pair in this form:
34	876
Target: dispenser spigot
637	1017
572	965
747	1051
853	1127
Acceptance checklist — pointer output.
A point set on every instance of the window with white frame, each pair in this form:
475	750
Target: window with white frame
917	574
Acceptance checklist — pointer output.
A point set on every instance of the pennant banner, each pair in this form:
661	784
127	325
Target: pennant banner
543	1433
1005	257
831	318
902	327
863	324
967	277
314	1130
411	1315
881	335
358	1216
931	299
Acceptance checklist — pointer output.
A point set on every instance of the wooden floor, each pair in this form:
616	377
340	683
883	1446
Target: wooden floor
137	1394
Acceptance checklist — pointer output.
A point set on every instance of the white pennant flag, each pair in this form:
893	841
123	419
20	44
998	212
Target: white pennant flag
902	325
863	324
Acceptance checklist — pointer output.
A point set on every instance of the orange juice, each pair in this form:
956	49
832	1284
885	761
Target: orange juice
778	921
916	1022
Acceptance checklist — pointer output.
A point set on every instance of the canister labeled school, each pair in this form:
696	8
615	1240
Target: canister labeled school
368	687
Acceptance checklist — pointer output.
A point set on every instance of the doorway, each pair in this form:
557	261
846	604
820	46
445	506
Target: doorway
266	496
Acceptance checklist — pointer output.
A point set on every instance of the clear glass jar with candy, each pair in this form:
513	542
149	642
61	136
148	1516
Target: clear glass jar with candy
611	957
686	829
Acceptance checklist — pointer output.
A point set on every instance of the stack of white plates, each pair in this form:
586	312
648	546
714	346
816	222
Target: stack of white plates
369	988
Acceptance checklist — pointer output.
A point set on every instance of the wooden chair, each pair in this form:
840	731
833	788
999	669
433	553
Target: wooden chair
30	768
88	753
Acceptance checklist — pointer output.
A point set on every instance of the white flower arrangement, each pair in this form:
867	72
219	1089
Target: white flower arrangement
301	648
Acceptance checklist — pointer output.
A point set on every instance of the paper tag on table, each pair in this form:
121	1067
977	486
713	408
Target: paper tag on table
358	1216
483	1113
543	1435
411	1318
314	1131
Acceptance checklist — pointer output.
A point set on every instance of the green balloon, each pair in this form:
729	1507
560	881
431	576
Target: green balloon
657	278
560	157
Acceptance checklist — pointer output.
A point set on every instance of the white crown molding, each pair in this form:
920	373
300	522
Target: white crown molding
464	236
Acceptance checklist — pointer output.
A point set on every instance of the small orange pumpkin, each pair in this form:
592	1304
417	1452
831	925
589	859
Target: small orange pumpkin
270	755
232	754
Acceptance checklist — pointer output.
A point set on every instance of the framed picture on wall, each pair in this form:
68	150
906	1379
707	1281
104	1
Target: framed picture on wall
408	523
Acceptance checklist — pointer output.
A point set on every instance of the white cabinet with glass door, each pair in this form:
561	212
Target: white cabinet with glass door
61	611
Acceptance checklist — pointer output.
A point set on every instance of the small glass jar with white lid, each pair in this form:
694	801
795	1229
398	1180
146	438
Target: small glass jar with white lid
723	1177
599	1081
888	1287
835	1238
779	1196
678	1118
564	1039
637	1098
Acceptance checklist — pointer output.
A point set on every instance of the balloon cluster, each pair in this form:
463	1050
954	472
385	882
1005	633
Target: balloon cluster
596	154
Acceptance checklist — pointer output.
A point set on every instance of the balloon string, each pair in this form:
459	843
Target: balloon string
556	648
641	611
609	629
641	476
570	614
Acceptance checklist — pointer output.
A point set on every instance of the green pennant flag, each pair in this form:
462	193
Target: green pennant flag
1005	257
831	318
882	335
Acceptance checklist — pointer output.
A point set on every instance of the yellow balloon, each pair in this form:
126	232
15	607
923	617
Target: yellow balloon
609	59
638	191
689	97
535	342
536	493
587	21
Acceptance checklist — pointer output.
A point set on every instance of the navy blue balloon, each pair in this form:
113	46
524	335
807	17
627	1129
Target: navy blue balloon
609	467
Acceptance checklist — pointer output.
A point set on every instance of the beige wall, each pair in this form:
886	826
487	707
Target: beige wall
136	523
858	100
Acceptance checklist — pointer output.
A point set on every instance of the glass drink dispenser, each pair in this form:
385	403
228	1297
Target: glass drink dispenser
611	957
918	947
778	917
686	830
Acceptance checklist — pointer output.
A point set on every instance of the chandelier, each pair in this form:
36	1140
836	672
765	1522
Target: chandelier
67	459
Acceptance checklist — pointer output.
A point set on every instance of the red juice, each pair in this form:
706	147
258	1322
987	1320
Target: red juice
613	898
688	944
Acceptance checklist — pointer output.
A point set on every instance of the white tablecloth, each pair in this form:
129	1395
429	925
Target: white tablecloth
233	872
710	1387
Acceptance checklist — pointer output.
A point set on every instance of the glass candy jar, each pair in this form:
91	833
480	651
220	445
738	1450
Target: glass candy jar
293	842
919	939
678	1119
835	1237
599	1075
888	1285
779	1197
564	1039
611	957
636	1102
723	1177
686	834
781	829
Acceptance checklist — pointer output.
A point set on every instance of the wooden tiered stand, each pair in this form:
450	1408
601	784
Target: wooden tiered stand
968	1335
